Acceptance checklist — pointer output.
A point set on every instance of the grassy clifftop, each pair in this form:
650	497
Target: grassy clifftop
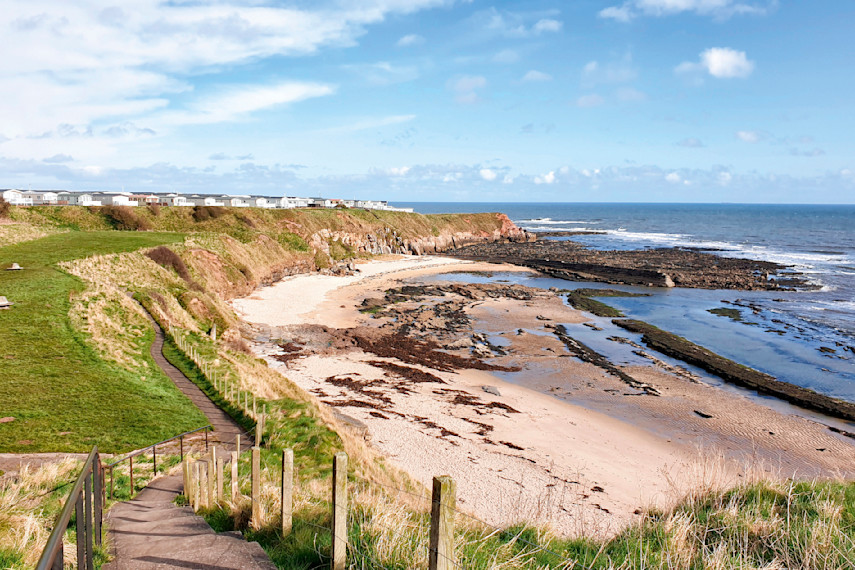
245	224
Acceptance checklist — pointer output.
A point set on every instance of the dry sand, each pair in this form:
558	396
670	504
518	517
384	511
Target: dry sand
528	453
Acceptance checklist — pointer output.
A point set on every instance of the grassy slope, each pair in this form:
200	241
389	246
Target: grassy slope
52	380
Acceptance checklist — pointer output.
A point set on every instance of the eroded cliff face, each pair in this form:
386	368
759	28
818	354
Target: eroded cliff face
388	240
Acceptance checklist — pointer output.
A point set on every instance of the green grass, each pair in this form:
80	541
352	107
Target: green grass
807	524
62	395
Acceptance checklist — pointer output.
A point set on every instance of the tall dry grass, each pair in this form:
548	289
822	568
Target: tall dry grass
29	504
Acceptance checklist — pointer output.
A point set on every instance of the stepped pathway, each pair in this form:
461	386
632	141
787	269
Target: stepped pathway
225	428
151	532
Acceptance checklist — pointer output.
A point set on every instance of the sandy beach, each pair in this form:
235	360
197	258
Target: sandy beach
485	391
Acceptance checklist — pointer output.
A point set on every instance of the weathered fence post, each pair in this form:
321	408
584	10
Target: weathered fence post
203	483
87	508
81	532
339	512
237	443
235	482
256	487
197	485
441	553
287	490
259	430
254	409
219	480
212	482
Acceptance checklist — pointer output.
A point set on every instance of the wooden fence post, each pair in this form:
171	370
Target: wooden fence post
254	410
256	487
339	512
287	490
237	443
219	480
197	480
259	430
441	553
235	485
212	482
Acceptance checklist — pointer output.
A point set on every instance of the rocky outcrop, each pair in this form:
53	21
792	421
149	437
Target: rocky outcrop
388	240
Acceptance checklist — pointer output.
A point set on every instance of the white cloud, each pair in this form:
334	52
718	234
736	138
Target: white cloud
718	9
237	102
621	71
487	174
508	179
723	63
506	56
673	178
547	25
548	178
592	100
514	25
398	170
726	63
410	40
383	72
534	75
465	88
370	123
749	136
89	63
620	14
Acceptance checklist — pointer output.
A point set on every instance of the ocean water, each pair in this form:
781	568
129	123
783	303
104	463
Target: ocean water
800	337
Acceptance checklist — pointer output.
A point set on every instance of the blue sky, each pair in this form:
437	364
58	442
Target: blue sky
434	100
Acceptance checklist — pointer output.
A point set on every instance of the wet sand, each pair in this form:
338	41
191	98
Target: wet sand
563	442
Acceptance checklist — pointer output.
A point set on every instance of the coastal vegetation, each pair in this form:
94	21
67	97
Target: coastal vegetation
77	372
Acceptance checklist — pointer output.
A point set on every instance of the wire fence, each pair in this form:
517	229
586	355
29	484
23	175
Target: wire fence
372	521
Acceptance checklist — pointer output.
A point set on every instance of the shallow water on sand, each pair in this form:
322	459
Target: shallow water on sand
772	342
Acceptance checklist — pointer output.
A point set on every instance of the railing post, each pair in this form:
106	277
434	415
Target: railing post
441	553
339	512
235	482
81	532
98	474
256	487
287	490
181	447
111	483
59	558
206	439
87	507
131	470
154	460
237	443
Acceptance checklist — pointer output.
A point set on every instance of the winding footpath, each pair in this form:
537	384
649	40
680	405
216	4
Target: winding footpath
151	532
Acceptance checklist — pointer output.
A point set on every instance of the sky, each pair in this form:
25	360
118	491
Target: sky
433	100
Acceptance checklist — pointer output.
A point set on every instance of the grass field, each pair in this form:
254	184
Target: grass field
62	395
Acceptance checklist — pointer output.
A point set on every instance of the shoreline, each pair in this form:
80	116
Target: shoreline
550	460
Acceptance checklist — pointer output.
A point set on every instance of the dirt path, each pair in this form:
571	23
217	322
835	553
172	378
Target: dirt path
225	428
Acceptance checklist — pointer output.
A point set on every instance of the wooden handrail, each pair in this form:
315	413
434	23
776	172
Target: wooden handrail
83	499
152	446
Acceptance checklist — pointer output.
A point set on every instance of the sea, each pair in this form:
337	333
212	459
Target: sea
803	337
